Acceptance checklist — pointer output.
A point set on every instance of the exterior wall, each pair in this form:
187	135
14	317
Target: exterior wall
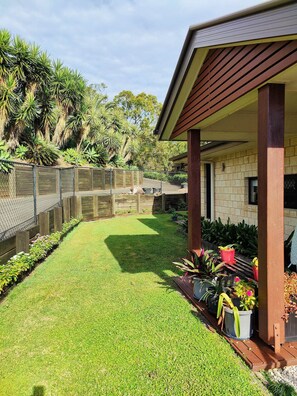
231	185
203	191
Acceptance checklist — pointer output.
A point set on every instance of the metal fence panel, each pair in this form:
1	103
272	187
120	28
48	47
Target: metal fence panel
16	200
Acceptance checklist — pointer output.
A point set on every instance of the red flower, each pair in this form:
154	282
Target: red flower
249	293
236	279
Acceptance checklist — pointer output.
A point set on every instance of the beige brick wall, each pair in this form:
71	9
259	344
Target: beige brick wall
231	185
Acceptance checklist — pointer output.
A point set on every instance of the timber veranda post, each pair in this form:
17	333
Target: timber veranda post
194	190
271	113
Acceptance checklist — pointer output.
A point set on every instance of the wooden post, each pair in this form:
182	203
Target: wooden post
114	179
112	197
77	206
43	220
137	178
58	221
138	207
95	206
271	212
132	180
103	179
66	209
76	179
22	241
163	203
194	190
92	179
124	179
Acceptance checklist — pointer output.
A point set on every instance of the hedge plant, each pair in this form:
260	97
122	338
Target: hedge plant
22	263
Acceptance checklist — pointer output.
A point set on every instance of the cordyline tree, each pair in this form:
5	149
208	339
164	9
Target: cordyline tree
47	111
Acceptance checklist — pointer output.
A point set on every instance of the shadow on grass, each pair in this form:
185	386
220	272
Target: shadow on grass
38	391
147	253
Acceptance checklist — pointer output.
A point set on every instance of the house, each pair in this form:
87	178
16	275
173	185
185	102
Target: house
235	85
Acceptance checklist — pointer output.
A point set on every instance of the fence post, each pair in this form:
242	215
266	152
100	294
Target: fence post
112	204
75	180
114	180
35	186
132	180
164	203
43	219
60	187
77	206
58	219
66	209
95	206
138	202
92	179
111	180
124	179
22	241
103	179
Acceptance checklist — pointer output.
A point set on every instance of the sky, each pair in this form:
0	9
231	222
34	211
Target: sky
125	44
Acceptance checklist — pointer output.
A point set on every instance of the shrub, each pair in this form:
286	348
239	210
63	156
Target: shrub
178	178
243	236
21	152
73	157
156	176
40	152
22	262
5	167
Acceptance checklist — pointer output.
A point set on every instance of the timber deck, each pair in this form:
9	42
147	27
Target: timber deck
256	354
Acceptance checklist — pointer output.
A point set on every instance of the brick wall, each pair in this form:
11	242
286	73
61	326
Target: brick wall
231	185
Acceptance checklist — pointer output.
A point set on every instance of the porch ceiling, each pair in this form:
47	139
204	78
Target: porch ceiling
239	120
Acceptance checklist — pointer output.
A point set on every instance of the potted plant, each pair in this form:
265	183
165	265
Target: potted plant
235	312
290	316
203	266
254	264
227	254
212	295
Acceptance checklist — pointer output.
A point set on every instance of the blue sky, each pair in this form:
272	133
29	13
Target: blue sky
126	44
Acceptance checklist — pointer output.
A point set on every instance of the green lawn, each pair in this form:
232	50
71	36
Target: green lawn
100	317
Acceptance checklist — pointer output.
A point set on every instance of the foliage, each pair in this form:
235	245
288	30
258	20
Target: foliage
155	176
224	299
5	166
41	152
255	262
243	236
73	157
245	291
227	247
46	99
290	285
205	264
174	178
279	388
21	152
22	262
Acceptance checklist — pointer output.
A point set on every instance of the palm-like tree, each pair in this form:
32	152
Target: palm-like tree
68	89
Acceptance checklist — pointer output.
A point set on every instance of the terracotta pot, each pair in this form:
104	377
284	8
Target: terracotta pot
255	272
228	256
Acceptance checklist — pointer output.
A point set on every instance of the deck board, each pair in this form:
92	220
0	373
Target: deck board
256	354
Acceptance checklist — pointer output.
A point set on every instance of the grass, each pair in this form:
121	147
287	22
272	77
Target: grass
100	317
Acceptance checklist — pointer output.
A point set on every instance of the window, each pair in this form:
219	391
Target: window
253	190
290	191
